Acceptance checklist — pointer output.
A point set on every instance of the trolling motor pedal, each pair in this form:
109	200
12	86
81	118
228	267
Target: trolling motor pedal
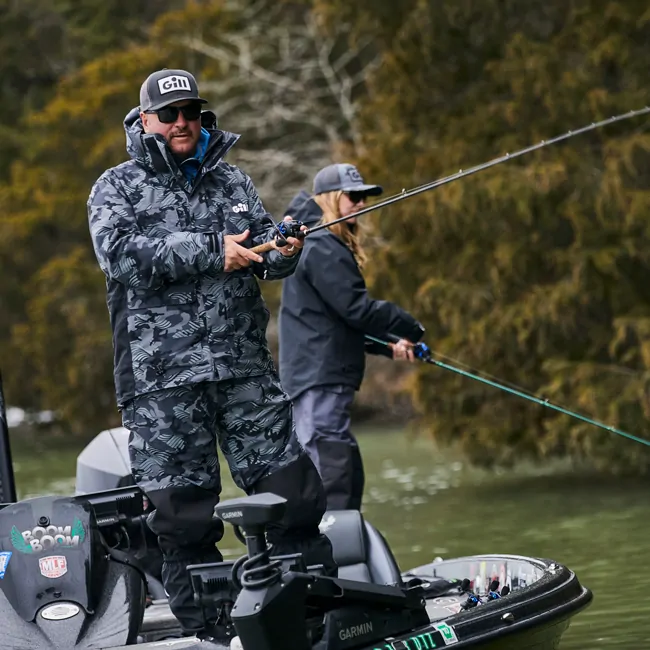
252	515
216	586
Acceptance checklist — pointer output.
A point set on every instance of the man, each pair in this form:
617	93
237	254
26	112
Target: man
172	230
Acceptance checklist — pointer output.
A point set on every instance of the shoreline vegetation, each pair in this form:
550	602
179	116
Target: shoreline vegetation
535	271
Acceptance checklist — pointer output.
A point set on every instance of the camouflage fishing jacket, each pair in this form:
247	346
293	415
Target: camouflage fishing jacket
177	317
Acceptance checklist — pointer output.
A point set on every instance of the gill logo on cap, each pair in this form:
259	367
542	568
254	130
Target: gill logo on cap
354	174
173	82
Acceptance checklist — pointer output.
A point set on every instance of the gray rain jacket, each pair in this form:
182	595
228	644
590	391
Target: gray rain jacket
177	317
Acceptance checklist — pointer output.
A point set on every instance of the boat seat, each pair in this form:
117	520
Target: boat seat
360	550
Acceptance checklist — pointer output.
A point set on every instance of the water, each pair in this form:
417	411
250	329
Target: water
428	506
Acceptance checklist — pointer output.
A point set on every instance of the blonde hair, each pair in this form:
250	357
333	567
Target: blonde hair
329	204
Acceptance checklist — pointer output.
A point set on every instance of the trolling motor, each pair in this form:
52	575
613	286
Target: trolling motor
281	603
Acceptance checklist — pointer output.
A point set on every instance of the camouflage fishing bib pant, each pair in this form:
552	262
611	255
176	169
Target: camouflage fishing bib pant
172	446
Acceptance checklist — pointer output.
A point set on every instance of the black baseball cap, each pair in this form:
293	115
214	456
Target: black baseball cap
166	87
345	178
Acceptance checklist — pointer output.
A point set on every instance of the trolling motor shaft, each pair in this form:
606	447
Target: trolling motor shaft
292	228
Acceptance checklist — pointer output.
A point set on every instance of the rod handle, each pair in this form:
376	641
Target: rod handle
263	248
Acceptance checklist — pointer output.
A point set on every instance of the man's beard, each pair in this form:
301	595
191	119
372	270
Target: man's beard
185	154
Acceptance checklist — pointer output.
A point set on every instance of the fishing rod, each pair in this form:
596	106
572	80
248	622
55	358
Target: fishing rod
422	352
293	228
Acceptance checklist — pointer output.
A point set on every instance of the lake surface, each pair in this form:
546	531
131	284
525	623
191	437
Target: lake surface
428	506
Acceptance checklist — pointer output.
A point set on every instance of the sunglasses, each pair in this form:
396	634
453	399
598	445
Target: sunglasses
357	197
169	114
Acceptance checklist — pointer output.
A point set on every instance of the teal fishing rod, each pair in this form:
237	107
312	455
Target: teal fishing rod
422	352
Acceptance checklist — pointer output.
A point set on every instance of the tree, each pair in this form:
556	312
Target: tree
292	95
59	353
535	271
43	42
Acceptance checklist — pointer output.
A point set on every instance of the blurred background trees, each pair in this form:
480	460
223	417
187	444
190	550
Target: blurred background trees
536	271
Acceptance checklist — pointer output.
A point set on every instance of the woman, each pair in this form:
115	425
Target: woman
324	316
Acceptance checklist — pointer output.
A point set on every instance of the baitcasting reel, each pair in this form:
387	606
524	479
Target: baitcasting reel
288	229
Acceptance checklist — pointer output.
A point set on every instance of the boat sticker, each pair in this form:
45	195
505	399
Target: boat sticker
53	566
448	634
422	641
60	612
41	538
5	556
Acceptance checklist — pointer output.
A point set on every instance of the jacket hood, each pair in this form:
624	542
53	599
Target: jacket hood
303	208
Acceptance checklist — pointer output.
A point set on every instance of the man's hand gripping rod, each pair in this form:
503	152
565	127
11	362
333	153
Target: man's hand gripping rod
292	228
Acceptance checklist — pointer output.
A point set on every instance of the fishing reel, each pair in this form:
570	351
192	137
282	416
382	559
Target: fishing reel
474	599
421	351
288	229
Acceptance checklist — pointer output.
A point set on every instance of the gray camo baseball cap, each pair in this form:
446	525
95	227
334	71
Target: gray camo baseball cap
165	87
345	178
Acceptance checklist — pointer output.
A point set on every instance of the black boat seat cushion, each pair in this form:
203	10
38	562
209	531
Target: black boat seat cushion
360	550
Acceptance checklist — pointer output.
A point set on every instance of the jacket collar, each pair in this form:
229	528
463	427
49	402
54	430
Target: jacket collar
152	151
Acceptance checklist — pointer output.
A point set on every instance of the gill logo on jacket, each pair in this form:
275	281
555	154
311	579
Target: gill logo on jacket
240	207
41	538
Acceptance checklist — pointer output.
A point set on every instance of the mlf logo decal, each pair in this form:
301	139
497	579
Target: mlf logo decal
40	539
53	566
173	82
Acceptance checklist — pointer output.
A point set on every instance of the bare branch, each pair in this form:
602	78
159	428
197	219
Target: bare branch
290	90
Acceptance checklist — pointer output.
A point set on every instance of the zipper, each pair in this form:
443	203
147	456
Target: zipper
225	147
